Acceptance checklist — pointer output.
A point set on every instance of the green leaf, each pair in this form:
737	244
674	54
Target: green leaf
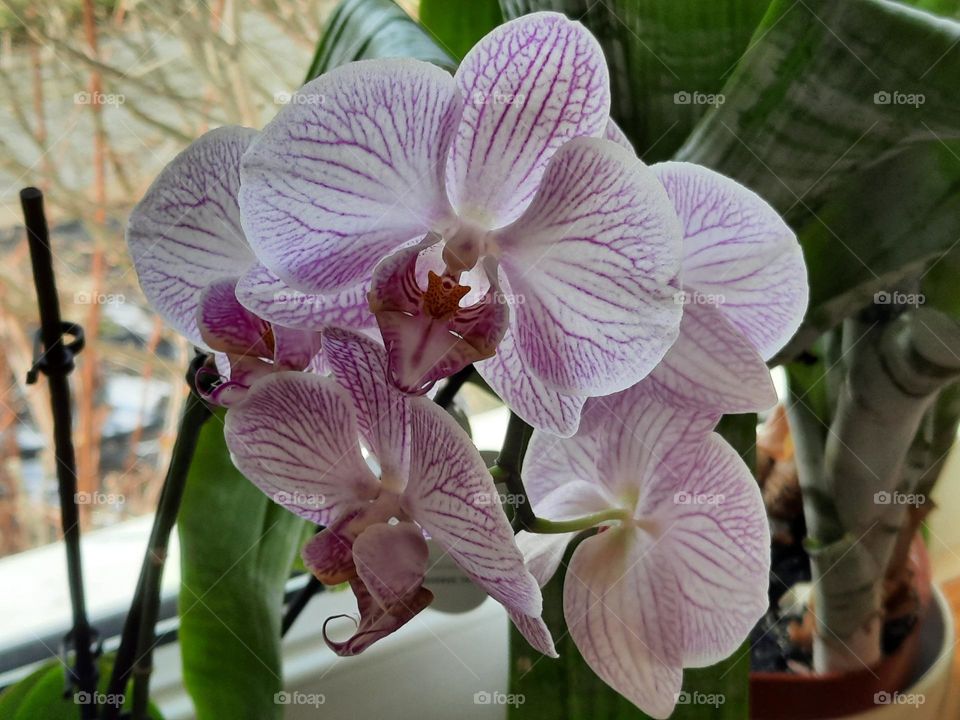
666	57
947	8
362	29
458	26
851	139
40	695
824	92
236	551
879	232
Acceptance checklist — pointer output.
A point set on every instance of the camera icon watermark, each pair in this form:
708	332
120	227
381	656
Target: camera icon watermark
300	499
698	98
700	698
898	698
895	97
486	499
97	298
99	698
295	297
691	498
299	698
695	297
895	297
483	697
286	98
84	97
884	497
502	298
498	98
98	498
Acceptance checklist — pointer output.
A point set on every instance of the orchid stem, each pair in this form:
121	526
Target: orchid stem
546	527
449	391
134	655
507	470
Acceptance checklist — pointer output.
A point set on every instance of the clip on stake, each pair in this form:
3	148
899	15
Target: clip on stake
54	358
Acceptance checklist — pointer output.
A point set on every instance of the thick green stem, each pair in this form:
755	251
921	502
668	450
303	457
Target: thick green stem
894	368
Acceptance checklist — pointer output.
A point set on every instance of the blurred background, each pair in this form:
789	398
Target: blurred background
96	97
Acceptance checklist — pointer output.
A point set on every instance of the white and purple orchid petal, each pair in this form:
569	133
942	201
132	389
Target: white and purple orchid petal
228	386
227	326
360	366
574	500
712	367
185	233
535	632
375	622
542	407
622	611
263	293
738	251
613	133
528	87
543	553
715	541
349	171
452	496
329	553
427	333
294	349
295	437
635	432
551	463
391	561
592	263
397	284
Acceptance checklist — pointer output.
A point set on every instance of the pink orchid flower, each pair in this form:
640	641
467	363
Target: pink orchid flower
744	293
677	574
298	436
198	271
567	241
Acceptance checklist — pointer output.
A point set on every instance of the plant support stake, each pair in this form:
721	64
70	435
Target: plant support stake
54	358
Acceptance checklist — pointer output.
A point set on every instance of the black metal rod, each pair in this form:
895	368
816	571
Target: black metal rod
58	363
299	602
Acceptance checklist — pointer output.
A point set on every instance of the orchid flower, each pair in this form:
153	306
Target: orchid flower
506	169
744	292
297	436
677	574
196	268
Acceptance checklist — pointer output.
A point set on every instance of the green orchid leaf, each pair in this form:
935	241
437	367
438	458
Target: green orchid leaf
875	236
236	551
669	59
819	96
363	29
458	26
40	695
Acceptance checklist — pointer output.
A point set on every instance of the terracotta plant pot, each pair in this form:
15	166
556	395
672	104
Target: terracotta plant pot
870	693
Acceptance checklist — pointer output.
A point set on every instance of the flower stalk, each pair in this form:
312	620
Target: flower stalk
56	362
134	657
